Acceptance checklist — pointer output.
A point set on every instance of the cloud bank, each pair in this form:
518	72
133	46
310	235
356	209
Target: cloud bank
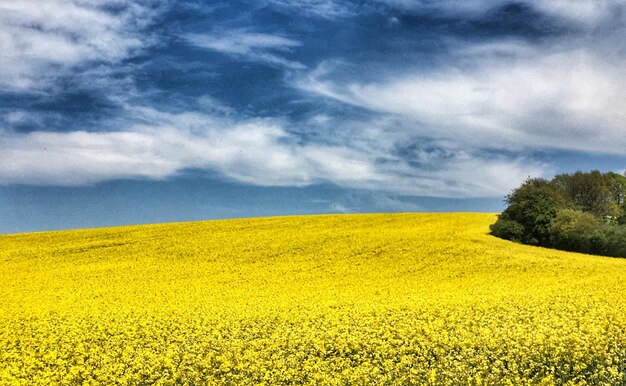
461	124
258	152
587	13
508	96
42	40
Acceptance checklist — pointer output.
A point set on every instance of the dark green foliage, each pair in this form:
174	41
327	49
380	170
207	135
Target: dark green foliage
617	186
573	230
588	192
508	229
582	232
581	212
621	219
533	206
616	241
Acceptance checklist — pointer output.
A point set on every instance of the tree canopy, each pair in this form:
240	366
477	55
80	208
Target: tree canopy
581	212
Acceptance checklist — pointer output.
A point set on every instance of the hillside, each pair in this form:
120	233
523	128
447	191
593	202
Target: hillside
334	299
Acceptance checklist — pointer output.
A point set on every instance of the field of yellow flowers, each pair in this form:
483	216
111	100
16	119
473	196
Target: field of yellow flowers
332	300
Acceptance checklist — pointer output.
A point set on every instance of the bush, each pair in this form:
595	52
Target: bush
533	205
507	229
580	212
577	231
598	242
616	241
572	230
621	218
588	192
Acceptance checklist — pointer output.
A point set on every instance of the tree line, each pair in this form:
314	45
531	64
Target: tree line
581	212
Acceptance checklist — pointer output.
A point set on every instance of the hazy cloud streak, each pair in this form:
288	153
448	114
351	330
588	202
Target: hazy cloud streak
251	46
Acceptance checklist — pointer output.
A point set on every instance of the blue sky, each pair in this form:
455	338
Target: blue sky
121	112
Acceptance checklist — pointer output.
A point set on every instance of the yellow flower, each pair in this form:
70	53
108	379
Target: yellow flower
329	300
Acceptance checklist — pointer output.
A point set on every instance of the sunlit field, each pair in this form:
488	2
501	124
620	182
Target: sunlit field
332	300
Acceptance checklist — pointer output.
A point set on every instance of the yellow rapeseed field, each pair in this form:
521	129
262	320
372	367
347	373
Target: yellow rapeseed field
332	300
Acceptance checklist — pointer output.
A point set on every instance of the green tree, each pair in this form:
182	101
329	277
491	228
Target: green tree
616	240
589	192
580	212
533	205
508	229
617	186
573	230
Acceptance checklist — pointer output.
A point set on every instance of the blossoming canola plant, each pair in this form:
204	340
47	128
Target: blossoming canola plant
351	299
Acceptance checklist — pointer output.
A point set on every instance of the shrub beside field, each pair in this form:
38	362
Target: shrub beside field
350	299
579	212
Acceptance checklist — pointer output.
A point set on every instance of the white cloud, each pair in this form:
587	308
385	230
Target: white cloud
369	201
585	13
210	105
326	9
43	39
505	96
457	173
502	96
77	158
252	46
258	152
338	207
448	6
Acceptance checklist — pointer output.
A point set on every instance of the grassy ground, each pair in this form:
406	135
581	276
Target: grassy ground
345	299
